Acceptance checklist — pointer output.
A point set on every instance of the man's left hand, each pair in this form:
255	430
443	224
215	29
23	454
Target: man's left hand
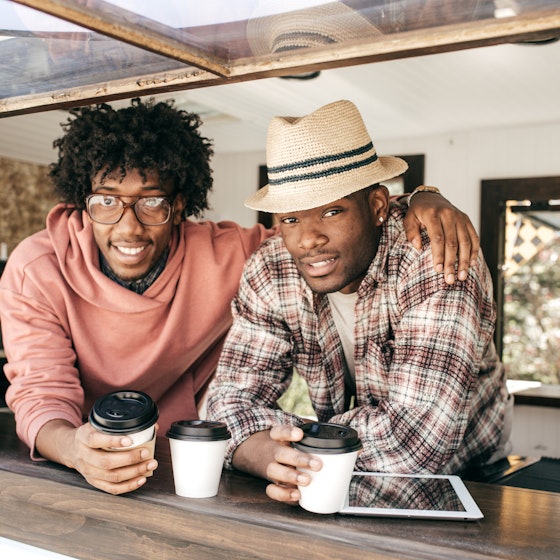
452	235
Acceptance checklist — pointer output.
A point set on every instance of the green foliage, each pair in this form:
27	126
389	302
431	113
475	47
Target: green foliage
296	399
532	318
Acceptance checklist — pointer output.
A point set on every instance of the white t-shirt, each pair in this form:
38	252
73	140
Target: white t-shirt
342	307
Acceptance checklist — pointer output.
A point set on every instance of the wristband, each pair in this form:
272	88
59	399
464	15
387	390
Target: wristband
421	188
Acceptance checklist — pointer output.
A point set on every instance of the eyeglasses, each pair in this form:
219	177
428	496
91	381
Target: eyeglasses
109	209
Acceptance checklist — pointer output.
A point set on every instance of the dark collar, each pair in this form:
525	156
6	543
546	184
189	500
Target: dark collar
142	284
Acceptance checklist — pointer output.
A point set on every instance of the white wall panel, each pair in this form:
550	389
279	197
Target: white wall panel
536	431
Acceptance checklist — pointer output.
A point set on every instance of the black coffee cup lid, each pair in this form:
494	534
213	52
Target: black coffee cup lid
203	430
322	437
123	412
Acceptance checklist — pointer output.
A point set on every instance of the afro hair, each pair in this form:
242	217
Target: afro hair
145	136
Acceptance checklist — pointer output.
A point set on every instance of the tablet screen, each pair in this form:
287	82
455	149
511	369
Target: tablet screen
435	496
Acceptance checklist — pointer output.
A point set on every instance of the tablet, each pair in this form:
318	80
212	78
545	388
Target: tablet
410	495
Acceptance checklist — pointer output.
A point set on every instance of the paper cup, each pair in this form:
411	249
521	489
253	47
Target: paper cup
197	456
337	446
126	413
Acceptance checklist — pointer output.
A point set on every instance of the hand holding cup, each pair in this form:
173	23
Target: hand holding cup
337	446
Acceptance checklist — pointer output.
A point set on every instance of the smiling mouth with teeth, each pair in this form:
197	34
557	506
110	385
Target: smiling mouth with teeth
321	263
130	250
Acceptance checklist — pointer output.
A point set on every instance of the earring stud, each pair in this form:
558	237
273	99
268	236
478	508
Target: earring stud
380	219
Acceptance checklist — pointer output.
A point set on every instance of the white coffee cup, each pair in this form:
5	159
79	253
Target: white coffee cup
197	456
337	446
127	413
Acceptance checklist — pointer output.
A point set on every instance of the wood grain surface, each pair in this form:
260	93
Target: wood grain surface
52	507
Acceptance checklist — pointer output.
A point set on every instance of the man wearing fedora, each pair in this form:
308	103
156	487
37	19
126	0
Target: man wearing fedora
385	345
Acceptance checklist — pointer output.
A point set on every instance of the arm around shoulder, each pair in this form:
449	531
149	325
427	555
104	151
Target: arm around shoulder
454	240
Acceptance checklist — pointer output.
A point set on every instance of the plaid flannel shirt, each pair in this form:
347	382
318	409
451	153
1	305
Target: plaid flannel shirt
430	390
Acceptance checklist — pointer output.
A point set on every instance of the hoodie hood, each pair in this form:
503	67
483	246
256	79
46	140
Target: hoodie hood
71	237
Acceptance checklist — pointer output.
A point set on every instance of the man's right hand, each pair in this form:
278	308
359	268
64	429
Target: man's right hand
85	450
270	455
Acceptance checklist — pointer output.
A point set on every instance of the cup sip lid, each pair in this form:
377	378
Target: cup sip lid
326	438
199	430
123	412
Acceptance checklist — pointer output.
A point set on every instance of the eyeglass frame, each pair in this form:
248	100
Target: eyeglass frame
125	205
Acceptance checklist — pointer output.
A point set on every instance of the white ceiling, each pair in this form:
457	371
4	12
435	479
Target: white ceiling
506	85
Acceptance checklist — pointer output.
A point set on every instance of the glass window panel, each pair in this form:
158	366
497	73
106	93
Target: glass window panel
122	48
33	65
41	53
531	312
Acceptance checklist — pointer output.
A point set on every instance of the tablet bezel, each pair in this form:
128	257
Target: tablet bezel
472	511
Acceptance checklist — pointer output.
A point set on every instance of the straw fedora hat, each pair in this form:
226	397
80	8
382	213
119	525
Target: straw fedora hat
319	158
283	25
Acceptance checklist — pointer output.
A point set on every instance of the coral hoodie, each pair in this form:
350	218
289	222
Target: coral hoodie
71	334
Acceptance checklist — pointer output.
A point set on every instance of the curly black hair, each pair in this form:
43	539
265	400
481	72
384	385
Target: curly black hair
145	136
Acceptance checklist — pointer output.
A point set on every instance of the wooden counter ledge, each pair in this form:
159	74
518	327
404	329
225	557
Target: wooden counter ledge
51	507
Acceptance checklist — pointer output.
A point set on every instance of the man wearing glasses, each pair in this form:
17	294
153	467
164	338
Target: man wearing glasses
122	291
